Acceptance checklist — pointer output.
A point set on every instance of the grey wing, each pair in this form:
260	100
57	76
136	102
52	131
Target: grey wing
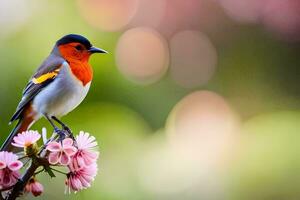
44	75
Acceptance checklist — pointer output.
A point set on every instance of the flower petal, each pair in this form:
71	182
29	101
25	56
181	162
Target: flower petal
67	142
7	180
64	159
78	162
76	184
16	165
17	145
2	165
54	146
53	158
84	182
70	151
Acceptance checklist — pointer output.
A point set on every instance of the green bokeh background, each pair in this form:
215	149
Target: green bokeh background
258	75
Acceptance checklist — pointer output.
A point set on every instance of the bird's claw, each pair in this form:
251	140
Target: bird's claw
60	132
68	130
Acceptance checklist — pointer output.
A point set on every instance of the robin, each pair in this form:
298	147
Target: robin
57	87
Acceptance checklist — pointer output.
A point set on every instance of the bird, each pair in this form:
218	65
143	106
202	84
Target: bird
57	87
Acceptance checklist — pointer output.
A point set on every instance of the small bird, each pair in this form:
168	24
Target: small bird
57	87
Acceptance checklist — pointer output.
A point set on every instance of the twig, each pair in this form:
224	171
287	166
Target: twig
21	158
41	170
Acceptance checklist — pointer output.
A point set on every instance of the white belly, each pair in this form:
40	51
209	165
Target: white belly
61	96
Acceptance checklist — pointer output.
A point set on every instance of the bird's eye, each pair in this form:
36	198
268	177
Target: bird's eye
79	47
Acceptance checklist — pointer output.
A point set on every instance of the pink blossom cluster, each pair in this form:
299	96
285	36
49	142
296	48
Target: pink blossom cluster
79	156
10	164
9	169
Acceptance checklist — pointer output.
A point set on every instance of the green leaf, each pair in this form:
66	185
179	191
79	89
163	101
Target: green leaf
49	171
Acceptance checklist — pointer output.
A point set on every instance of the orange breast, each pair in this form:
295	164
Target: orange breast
82	71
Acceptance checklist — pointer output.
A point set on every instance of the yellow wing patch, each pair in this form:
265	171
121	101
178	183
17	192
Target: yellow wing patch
45	77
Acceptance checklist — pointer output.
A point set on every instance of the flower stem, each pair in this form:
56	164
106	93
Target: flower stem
56	170
39	171
23	157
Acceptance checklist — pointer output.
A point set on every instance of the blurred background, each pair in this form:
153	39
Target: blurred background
197	99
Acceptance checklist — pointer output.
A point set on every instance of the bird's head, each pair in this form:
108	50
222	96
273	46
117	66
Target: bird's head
75	47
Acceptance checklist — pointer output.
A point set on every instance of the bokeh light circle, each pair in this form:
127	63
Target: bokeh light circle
245	11
108	15
203	124
287	21
142	55
201	15
11	19
144	15
202	136
163	171
193	58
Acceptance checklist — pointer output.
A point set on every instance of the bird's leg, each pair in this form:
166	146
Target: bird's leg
64	126
60	132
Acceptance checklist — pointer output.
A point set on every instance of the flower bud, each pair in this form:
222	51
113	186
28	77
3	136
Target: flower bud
34	187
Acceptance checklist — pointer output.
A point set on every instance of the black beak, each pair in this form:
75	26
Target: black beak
97	50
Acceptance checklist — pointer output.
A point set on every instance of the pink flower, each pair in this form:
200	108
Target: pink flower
26	139
86	155
9	169
61	152
78	179
34	187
